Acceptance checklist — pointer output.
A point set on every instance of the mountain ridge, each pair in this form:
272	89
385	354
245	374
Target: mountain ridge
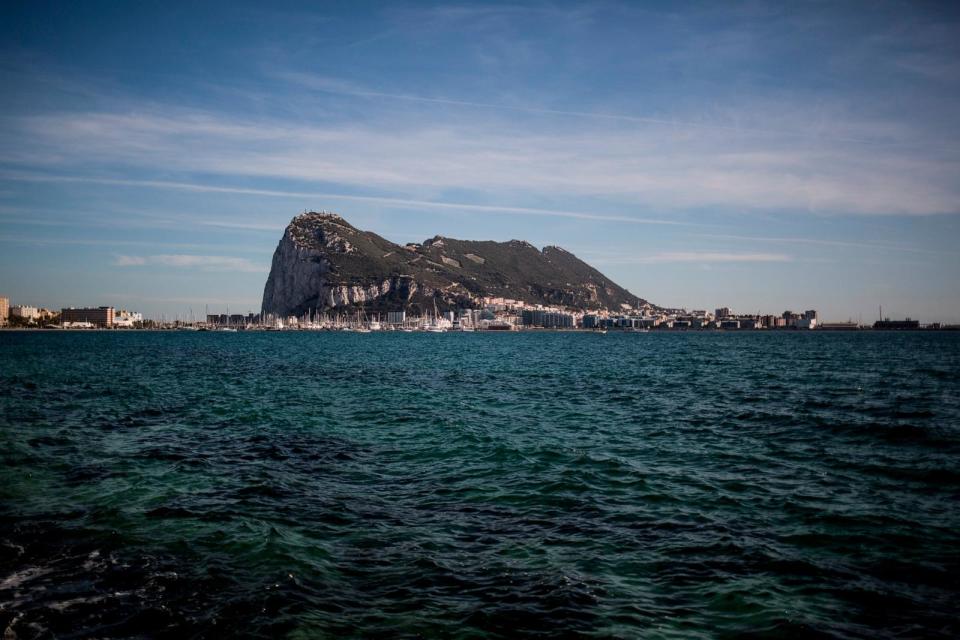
323	262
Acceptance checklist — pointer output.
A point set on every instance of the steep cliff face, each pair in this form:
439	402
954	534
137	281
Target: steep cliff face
322	262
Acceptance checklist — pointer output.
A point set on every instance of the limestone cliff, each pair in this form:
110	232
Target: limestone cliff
322	262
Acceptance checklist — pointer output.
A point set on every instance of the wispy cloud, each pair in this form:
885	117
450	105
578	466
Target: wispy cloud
757	121
323	196
46	240
668	168
699	257
50	240
825	242
339	86
237	224
184	261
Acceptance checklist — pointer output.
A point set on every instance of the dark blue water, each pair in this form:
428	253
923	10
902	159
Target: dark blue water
302	485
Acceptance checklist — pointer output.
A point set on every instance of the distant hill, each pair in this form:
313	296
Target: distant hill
323	262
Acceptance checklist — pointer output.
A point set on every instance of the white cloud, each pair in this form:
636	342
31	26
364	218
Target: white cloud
337	86
324	196
207	263
699	257
827	243
669	166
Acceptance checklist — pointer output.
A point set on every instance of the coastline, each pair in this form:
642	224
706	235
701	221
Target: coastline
657	330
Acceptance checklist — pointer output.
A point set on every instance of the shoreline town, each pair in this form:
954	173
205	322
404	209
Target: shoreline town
494	314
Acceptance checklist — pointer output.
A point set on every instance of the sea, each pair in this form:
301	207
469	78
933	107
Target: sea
479	485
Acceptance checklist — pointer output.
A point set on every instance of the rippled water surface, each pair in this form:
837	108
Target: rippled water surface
480	485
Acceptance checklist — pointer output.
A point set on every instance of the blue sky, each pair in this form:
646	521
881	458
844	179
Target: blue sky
759	156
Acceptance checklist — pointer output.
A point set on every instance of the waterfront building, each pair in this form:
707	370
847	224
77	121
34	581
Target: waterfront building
4	310
127	319
98	317
396	317
25	312
620	322
470	317
648	322
729	324
591	321
547	319
693	321
790	318
771	321
722	312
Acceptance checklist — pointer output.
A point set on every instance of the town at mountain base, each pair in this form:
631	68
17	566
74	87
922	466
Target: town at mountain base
323	262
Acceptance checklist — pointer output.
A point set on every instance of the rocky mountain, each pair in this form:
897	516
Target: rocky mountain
323	262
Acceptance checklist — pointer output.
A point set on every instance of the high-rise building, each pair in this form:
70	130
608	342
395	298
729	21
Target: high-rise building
100	316
548	319
591	321
4	310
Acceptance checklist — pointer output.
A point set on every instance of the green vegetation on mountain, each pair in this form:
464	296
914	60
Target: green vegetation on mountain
322	261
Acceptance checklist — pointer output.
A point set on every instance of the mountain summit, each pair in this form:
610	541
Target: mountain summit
324	262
